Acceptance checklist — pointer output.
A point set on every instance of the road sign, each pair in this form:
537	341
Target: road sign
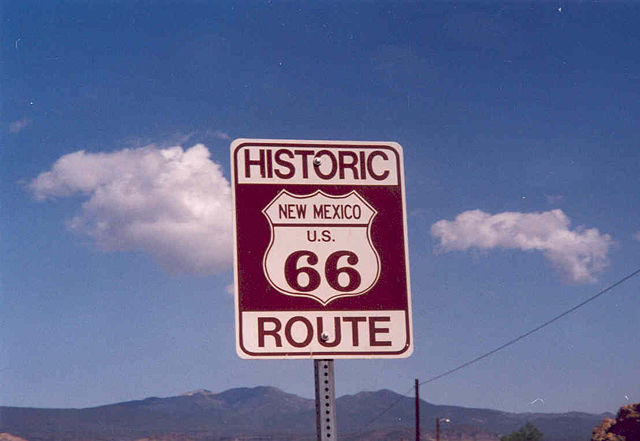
321	258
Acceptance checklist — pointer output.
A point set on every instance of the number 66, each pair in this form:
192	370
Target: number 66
331	271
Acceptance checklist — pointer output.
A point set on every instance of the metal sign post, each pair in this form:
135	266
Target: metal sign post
326	427
417	386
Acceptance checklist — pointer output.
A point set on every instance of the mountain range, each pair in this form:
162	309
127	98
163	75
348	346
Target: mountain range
267	413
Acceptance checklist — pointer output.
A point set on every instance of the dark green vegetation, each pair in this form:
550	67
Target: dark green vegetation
269	413
528	432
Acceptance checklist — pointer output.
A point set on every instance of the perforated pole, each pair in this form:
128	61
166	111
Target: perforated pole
417	386
325	401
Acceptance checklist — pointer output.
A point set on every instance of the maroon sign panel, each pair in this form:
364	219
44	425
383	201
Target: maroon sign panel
321	259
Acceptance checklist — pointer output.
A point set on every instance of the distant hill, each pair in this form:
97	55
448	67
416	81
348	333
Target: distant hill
267	413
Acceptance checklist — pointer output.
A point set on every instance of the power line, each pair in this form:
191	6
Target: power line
536	329
499	348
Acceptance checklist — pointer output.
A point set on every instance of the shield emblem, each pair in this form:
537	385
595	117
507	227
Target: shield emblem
321	246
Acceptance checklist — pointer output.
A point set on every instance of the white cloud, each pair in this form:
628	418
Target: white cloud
579	254
19	125
171	203
221	135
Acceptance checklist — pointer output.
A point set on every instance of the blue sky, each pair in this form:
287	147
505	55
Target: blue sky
512	110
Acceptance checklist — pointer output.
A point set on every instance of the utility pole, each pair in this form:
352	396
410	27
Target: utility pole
417	410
